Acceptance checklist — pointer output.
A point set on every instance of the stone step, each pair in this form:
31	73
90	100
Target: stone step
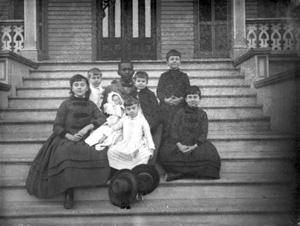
228	125
198	189
15	147
212	112
64	91
19	169
200	81
152	72
224	63
207	100
229	212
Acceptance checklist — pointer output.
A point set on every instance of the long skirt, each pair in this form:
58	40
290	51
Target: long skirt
202	162
62	164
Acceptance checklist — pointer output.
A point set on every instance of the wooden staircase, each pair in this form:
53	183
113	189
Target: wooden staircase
257	174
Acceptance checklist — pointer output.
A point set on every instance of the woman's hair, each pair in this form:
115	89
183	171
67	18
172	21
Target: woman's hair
79	77
193	90
141	74
130	101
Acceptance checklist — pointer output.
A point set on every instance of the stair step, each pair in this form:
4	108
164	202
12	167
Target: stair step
222	212
201	189
64	91
225	63
200	81
111	73
207	100
212	112
236	149
272	166
250	124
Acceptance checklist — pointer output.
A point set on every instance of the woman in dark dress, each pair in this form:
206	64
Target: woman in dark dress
65	161
188	153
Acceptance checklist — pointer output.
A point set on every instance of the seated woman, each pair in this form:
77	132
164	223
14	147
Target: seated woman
188	153
65	161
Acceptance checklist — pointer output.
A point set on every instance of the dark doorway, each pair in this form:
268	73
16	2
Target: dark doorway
126	28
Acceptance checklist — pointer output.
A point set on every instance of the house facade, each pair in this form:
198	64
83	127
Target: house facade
95	30
244	56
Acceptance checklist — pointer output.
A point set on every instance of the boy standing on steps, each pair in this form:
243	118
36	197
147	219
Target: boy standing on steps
171	90
95	79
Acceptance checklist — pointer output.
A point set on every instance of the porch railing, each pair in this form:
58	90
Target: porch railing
12	35
277	34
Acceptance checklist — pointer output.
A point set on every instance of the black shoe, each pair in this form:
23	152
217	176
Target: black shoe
174	176
69	199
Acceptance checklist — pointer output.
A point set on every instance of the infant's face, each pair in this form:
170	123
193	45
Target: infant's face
192	100
116	99
174	62
132	111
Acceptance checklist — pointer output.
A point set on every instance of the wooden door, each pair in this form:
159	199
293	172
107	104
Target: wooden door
126	28
212	28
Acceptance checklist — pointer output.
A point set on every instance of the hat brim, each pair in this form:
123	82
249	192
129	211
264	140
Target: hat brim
128	197
148	178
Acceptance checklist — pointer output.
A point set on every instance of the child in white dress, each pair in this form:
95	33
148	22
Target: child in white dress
135	146
115	109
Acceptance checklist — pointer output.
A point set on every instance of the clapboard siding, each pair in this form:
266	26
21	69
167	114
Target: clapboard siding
4	9
251	9
177	27
70	29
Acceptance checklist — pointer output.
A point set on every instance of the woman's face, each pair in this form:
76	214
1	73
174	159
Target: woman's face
192	100
79	88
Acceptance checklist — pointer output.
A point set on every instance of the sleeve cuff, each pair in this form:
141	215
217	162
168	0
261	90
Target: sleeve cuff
63	133
199	142
96	125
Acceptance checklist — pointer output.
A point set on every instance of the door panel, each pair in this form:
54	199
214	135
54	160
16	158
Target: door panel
126	28
212	28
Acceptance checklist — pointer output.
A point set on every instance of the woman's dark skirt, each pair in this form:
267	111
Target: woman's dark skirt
202	162
62	164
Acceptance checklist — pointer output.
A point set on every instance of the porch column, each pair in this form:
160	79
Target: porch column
30	41
239	29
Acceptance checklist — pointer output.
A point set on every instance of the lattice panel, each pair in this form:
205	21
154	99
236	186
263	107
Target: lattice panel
12	37
275	35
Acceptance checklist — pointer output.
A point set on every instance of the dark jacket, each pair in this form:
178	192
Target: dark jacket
149	106
172	82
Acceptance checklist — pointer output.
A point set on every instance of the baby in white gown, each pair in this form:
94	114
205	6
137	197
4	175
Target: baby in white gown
115	109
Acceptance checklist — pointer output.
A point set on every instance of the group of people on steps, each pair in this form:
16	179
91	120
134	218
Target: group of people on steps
100	131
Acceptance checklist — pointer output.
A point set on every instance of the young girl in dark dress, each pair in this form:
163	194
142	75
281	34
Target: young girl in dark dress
188	153
65	161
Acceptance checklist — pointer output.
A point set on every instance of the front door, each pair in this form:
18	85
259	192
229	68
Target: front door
212	28
126	28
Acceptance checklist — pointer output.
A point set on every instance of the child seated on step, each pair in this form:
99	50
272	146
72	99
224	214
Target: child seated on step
114	108
171	90
95	79
188	153
148	100
134	146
